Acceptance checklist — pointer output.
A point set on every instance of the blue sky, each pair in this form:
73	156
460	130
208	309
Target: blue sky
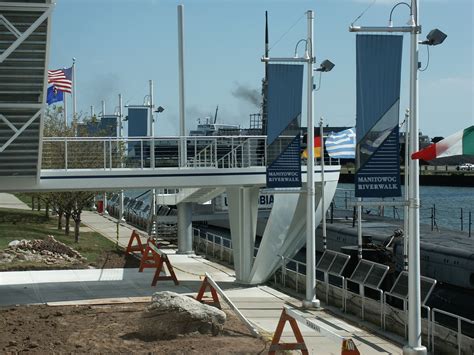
121	44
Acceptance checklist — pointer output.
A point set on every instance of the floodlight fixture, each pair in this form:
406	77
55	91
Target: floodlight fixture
326	66
434	37
159	109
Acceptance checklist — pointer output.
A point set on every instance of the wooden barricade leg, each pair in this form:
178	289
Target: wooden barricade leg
149	259
277	346
164	260
215	298
349	348
132	248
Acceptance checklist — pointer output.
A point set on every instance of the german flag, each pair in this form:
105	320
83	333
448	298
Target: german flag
317	149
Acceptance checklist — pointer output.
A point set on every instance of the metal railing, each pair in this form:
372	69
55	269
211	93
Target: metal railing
108	153
458	327
292	271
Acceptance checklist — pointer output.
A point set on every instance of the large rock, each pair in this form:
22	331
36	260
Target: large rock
171	314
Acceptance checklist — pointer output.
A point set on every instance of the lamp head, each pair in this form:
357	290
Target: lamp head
159	109
326	66
434	37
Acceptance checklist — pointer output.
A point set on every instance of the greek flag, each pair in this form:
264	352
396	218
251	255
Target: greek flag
342	145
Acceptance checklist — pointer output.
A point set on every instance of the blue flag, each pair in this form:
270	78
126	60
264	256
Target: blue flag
341	145
54	95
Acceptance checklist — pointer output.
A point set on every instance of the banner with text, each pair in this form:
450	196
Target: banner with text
379	59
285	89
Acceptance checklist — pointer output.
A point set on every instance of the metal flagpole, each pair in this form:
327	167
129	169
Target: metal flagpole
406	182
152	161
182	120
65	108
74	112
323	183
311	300
359	228
120	134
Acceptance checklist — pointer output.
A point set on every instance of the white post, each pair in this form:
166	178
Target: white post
182	121
359	228
103	107
323	183
120	134
151	127
414	299
152	161
65	108
311	300
105	203
74	111
406	182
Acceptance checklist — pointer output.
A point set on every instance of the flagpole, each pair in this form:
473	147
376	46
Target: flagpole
65	108
74	118
323	210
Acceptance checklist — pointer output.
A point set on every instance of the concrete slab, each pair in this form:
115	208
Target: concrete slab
262	305
11	201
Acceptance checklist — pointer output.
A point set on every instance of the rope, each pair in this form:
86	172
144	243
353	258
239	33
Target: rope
284	34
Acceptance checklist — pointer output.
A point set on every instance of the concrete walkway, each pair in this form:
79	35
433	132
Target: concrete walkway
11	201
262	305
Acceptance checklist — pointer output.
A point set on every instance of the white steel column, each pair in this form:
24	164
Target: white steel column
182	119
414	298
243	213
185	228
406	182
310	300
151	132
323	185
120	218
74	108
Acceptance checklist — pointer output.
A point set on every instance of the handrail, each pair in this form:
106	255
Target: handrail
459	320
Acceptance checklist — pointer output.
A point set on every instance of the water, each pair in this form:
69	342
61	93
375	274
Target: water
445	202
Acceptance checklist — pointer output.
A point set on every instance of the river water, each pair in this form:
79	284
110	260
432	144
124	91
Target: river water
446	203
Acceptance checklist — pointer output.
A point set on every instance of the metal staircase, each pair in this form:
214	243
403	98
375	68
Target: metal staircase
24	29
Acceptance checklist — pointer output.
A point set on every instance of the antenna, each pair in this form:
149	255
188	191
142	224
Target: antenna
215	115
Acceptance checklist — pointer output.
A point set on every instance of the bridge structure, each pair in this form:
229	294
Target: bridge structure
200	168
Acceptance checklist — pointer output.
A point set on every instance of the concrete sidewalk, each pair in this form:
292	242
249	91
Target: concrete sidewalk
11	201
262	305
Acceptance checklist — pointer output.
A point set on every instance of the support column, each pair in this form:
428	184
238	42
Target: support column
243	213
185	228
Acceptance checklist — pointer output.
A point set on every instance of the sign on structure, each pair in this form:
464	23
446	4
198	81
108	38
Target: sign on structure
379	59
285	88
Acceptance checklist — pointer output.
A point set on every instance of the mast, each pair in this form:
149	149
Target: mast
265	81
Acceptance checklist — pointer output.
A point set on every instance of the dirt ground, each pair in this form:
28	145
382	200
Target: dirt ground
109	329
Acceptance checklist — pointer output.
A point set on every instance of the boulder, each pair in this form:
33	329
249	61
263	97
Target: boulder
13	243
170	315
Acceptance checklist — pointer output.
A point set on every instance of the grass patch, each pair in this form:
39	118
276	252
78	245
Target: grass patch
22	224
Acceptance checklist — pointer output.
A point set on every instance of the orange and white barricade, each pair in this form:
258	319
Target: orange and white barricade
215	290
214	300
154	258
291	315
131	248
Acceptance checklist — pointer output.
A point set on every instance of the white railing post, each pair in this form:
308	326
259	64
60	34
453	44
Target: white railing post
65	153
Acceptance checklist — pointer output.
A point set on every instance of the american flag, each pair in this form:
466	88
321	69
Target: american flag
61	78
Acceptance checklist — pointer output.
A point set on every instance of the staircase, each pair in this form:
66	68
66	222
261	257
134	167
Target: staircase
23	69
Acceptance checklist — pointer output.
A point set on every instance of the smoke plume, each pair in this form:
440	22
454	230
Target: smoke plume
247	94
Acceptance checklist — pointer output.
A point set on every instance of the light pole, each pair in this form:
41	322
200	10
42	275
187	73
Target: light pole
310	299
435	37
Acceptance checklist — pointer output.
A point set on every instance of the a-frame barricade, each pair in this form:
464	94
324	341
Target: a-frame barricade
277	346
293	316
134	248
200	296
150	259
154	257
